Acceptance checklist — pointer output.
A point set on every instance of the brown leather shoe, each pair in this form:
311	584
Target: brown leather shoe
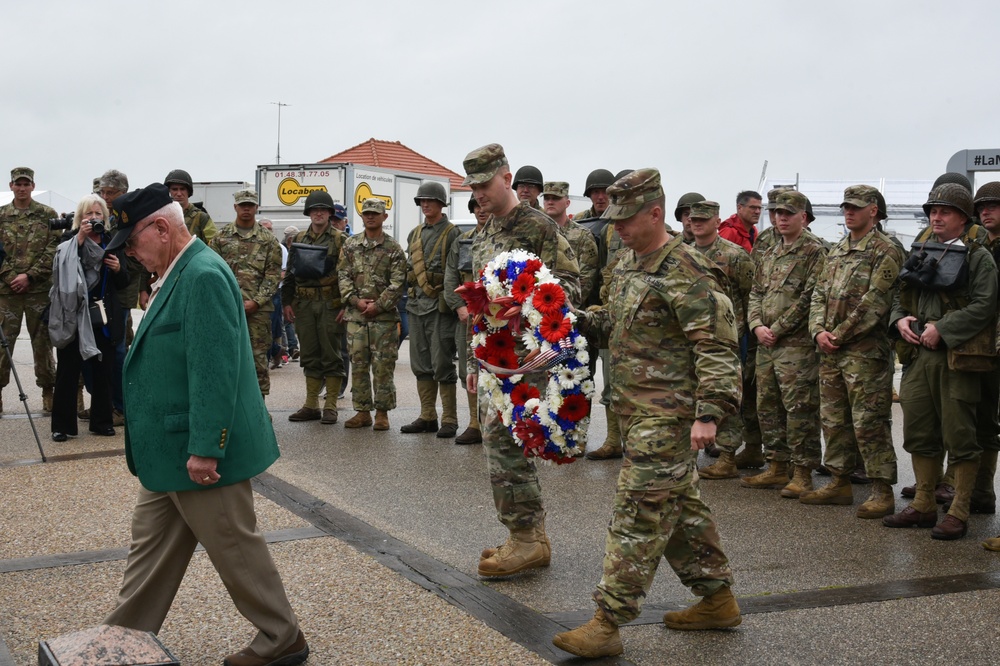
381	420
294	654
329	416
470	436
447	430
908	491
949	529
306	414
117	418
944	493
910	517
420	425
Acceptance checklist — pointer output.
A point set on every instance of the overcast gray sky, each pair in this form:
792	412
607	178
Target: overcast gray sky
704	91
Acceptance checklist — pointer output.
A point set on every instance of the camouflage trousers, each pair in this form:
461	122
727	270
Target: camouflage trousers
939	408
432	347
30	307
658	512
374	349
319	335
748	408
855	391
259	324
516	491
788	403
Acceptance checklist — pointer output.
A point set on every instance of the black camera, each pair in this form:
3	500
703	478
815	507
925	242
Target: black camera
60	223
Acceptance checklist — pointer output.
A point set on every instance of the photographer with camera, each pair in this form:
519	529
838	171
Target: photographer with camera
26	276
86	319
946	313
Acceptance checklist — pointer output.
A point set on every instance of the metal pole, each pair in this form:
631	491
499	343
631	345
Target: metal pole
277	158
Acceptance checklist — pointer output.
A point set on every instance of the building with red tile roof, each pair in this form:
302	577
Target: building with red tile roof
394	156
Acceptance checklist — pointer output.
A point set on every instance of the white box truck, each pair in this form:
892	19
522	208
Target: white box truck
283	189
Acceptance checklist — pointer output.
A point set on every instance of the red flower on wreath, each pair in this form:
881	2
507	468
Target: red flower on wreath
499	342
574	407
475	296
522	287
532	266
549	298
530	432
522	393
555	327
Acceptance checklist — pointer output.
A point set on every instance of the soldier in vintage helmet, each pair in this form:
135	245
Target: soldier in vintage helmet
196	218
528	185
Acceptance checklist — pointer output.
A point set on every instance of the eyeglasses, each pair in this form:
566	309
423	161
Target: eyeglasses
130	242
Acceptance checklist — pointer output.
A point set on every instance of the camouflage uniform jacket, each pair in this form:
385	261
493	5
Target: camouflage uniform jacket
374	269
29	244
524	228
255	260
333	239
853	295
782	290
672	336
736	264
585	248
453	277
418	302
770	237
199	223
960	314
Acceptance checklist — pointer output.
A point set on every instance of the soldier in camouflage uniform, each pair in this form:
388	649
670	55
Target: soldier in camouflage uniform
767	238
25	278
555	196
372	270
458	271
848	319
787	360
735	263
675	376
431	321
514	225
196	218
313	304
951	335
254	254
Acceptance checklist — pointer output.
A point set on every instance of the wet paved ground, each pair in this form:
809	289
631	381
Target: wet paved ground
377	537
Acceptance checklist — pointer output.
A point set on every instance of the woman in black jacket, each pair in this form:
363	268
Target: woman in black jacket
103	275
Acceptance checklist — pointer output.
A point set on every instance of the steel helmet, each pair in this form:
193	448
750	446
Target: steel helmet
950	194
883	212
952	177
318	199
623	173
529	175
181	177
685	202
989	192
431	189
597	180
809	211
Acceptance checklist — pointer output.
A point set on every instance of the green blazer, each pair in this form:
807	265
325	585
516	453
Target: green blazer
190	382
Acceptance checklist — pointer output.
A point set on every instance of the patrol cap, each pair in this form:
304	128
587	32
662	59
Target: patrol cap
704	210
792	202
860	196
132	208
339	212
373	205
772	195
630	193
556	188
245	196
22	172
483	163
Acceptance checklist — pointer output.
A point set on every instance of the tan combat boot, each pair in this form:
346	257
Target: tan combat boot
359	420
597	638
381	420
330	402
310	410
880	503
802	482
955	524
751	457
723	468
612	446
524	549
449	411
838	491
775	476
719	611
47	399
427	421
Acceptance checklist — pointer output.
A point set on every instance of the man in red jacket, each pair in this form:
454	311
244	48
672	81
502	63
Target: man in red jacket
740	227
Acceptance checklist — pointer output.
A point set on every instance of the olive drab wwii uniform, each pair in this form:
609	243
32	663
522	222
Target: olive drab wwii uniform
431	321
952	286
851	301
30	246
672	337
254	255
311	288
372	269
197	220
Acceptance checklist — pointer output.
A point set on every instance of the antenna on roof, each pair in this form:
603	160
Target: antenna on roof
763	174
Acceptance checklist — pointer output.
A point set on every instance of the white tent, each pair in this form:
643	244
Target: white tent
49	198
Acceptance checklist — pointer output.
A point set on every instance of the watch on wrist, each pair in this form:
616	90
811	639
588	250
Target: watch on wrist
705	418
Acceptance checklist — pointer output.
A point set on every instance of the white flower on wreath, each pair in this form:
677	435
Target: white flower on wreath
583	356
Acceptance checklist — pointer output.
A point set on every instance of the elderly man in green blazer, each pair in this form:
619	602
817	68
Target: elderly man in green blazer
197	431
